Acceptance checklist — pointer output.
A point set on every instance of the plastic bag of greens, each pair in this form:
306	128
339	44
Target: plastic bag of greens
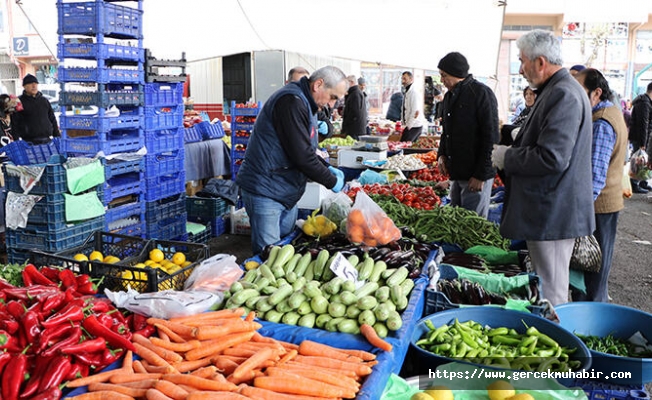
638	168
336	207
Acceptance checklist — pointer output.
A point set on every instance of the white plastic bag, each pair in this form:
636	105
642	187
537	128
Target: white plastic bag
215	274
165	304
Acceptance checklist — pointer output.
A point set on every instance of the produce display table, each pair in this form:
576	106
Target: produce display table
207	159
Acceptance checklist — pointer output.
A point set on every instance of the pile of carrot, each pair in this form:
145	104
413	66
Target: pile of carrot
219	354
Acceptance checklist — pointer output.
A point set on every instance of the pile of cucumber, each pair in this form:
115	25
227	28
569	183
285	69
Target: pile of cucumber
294	289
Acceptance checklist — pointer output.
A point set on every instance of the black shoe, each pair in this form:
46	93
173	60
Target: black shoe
644	185
639	189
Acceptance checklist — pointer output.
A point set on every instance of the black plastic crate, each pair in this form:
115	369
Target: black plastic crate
167	229
147	279
201	237
40	258
208	207
123	247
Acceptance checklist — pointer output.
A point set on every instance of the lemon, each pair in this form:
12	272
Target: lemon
111	259
96	256
156	266
439	393
172	269
521	396
148	262
80	257
500	390
140	265
185	264
421	396
156	255
179	258
249	265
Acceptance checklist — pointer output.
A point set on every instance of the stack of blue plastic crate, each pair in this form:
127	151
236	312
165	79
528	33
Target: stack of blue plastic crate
242	123
102	78
164	163
47	227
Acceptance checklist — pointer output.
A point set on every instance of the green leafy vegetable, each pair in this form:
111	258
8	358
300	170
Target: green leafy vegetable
12	273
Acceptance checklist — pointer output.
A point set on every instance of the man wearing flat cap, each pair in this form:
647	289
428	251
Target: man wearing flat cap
36	123
470	129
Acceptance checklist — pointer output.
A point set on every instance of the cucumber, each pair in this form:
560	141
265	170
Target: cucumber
273	253
381	329
321	320
335	298
353	311
251	302
382	312
284	255
387	273
269	289
348	286
310	271
280	294
302	265
283	307
353	260
348	326
311	290
296	299
307	320
251	275
236	287
320	263
407	286
277	271
290	318
334	285
398	276
382	294
391	306
379	267
263	305
292	264
267	273
402	303
242	296
331	325
261	282
304	308
396	292
366	269
273	316
281	282
299	283
367	317
319	304
336	310
248	285
367	303
347	298
366	289
394	322
291	277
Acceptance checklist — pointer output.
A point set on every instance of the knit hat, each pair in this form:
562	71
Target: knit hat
454	64
577	67
29	78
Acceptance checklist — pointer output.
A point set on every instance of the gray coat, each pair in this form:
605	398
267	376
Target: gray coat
549	188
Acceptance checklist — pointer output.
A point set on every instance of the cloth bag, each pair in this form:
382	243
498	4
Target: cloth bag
587	255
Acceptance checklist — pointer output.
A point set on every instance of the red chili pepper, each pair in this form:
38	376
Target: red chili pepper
87	288
121	328
16	309
77	370
71	312
94	360
31	326
50	273
87	346
12	382
53	393
27	279
82	279
5	357
51	336
52	303
70	340
35	377
71	295
147	331
67	278
140	322
110	356
55	373
101	306
95	328
9	324
36	277
106	320
6	285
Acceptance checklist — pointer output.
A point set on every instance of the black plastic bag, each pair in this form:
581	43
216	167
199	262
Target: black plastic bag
587	255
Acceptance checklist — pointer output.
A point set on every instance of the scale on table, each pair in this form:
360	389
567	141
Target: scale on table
366	148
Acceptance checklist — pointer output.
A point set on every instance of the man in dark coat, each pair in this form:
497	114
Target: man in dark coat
640	130
394	109
354	119
36	123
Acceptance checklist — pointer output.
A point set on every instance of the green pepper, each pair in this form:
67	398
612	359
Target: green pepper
505	340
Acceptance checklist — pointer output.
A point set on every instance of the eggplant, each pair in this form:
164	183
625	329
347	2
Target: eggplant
414	274
379	253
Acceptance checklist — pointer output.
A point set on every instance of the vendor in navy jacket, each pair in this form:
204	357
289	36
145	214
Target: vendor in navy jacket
36	123
281	156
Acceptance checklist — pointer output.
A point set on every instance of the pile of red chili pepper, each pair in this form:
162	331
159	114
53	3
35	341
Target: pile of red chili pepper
422	198
55	329
431	174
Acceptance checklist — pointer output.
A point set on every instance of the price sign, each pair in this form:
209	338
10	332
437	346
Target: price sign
343	268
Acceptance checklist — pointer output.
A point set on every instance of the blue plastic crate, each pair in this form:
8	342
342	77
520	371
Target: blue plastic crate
136	208
96	51
206	207
117	141
163	117
104	97
137	230
116	167
128	119
101	75
43	237
97	17
162	140
52	181
123	185
242	126
244	111
185	238
51	209
21	152
217	224
164	186
165	163
239	139
210	131
163	94
166	208
192	135
168	230
603	391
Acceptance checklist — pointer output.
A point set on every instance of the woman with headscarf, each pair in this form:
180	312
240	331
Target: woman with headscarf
8	105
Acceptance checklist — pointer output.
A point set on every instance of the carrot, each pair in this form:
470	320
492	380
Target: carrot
155	369
171	390
332	379
139	368
239	352
87	380
153	394
199	383
167	355
180	329
226	313
365	355
237	360
142	384
102	395
359	369
294	384
178	347
298	365
372	337
186	366
151	357
258	346
245	377
214	332
128	361
187	388
264	394
122	378
205	372
310	348
254	362
262	339
215	346
201	395
225	365
289	346
164	330
163	336
133	392
288	356
347	390
250	317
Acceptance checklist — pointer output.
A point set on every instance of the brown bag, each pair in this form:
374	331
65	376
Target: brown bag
587	255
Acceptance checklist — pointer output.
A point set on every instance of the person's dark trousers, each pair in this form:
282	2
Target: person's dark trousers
597	284
412	134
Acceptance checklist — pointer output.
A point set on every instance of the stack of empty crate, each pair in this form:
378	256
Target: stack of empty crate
102	77
164	163
49	227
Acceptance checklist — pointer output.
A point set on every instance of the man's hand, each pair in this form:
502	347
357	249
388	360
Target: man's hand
441	163
322	128
475	185
498	156
340	179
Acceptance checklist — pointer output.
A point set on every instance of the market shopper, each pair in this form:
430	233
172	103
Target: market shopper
548	196
395	106
296	73
640	131
36	123
324	126
412	110
354	115
9	104
575	69
609	151
281	157
470	129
